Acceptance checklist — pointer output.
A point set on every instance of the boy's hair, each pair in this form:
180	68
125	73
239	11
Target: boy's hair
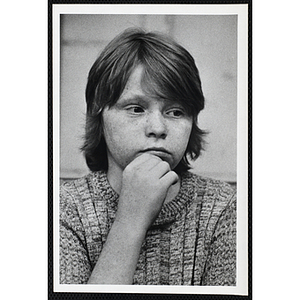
169	73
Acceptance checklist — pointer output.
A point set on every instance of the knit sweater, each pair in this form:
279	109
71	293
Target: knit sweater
192	241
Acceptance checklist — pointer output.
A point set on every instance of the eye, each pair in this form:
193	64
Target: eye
135	109
175	112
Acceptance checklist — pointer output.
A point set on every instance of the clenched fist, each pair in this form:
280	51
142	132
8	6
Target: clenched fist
145	183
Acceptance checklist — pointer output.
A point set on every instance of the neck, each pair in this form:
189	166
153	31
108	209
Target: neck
114	176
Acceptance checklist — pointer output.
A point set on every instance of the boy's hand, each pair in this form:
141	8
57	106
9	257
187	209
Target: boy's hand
145	183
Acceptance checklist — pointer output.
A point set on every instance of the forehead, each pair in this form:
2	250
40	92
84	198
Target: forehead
134	83
144	85
141	86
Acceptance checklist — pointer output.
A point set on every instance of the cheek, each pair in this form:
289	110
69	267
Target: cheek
112	135
182	138
186	131
106	128
109	128
119	136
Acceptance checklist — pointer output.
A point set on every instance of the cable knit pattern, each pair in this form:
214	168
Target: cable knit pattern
192	241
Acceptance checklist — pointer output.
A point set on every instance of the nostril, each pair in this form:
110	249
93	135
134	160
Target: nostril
157	135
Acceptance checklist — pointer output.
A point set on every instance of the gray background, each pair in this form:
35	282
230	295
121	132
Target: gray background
212	41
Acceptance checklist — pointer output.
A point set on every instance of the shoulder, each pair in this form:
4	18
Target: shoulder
73	192
71	189
217	202
209	186
215	195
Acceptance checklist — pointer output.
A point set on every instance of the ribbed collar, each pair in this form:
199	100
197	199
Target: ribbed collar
170	211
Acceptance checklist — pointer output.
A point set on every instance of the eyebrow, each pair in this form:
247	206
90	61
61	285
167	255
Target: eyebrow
134	98
143	100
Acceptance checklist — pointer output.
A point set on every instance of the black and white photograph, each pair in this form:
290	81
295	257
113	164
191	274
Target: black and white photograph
150	144
150	151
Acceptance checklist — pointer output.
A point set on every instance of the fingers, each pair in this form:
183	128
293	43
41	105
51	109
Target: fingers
152	166
160	169
151	163
170	178
145	160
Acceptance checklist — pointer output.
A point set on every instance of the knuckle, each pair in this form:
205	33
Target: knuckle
165	164
174	174
155	158
127	170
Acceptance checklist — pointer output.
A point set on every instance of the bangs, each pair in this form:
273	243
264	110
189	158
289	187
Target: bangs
169	72
155	84
169	75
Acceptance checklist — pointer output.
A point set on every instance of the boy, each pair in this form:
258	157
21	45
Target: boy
140	217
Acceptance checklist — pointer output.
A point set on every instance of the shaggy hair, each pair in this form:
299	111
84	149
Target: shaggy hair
169	73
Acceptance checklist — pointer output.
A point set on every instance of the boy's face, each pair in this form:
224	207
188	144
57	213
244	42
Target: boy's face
139	123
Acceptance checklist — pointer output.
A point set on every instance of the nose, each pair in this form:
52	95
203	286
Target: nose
156	125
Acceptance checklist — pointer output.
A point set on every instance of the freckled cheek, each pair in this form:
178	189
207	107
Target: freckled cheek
120	135
111	125
184	131
113	134
110	133
181	137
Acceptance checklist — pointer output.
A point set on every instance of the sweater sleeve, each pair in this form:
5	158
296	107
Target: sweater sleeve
220	268
75	267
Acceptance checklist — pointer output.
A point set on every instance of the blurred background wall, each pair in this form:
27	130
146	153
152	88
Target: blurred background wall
212	41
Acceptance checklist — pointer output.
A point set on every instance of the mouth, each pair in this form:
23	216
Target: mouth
160	152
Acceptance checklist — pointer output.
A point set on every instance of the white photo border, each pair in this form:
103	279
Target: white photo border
241	10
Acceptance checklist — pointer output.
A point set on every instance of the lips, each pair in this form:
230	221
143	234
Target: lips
160	152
